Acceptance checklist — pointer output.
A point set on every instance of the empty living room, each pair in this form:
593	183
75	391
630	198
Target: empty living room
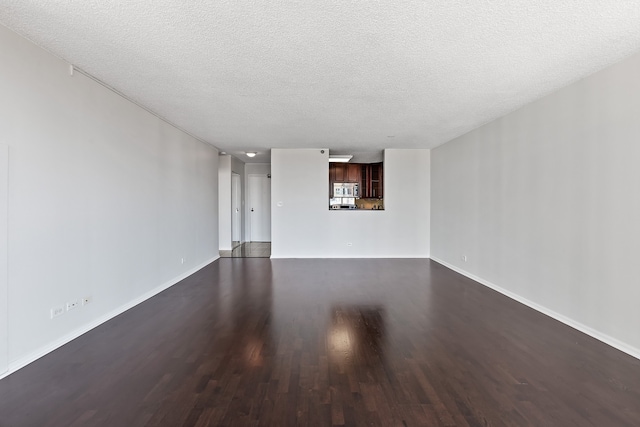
427	213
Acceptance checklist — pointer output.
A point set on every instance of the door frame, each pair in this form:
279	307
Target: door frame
236	211
267	208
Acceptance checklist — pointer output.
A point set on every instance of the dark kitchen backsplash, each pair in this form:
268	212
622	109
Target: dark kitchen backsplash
372	204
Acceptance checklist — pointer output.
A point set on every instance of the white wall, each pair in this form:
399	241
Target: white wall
304	227
224	202
544	202
4	289
105	200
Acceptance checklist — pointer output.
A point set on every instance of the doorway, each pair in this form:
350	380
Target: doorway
259	208
257	240
236	210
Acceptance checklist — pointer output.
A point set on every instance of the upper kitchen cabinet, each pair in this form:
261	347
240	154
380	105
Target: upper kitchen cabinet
353	173
344	172
338	172
372	181
332	177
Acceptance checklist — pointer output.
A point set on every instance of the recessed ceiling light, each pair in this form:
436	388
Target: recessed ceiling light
339	159
251	153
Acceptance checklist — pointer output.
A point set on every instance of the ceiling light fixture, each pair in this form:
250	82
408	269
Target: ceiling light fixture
251	153
340	159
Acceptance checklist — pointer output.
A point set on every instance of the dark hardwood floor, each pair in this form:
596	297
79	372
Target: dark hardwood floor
267	342
249	250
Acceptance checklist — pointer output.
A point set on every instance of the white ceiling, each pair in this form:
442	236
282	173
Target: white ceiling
345	75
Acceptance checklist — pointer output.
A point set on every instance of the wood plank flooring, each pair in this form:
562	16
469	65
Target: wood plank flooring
260	342
249	250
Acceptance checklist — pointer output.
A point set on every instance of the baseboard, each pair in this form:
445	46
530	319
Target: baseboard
46	349
613	342
406	256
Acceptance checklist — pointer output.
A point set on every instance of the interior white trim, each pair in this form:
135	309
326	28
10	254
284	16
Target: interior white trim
626	348
134	102
349	257
46	349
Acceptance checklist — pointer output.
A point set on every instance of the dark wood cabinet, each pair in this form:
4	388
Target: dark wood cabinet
332	176
341	172
368	176
372	181
344	172
353	172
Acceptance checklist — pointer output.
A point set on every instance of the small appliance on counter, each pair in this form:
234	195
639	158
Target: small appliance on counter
344	195
342	203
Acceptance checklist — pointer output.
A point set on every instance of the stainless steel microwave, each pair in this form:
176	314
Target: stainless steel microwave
346	189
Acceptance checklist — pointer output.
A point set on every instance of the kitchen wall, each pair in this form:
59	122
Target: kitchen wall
544	204
105	200
304	227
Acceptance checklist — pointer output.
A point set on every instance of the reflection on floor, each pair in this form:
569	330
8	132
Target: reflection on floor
249	250
327	342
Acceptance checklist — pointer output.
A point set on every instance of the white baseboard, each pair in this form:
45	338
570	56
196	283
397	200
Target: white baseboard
613	342
406	256
46	349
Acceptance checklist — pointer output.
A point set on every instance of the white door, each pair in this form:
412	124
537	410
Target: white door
4	190
259	208
236	215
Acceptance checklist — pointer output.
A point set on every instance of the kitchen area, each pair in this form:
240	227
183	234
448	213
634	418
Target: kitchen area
355	186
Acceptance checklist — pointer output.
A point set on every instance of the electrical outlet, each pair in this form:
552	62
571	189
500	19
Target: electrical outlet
464	258
86	300
72	304
181	260
57	311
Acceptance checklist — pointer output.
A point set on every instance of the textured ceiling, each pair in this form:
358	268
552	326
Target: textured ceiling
345	75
